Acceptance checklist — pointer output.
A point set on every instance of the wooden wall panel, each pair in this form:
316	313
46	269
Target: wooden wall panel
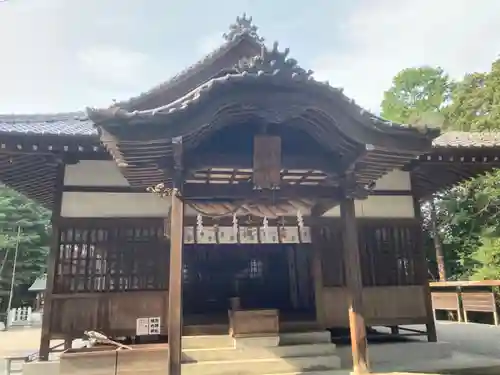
391	305
389	252
113	314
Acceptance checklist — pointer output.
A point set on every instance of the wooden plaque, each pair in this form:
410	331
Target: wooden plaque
289	235
269	236
207	236
266	161
249	235
227	235
305	235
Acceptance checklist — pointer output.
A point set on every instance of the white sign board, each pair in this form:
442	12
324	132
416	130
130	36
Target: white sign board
154	325
148	326
142	327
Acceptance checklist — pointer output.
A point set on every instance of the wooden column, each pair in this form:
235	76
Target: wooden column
52	264
317	273
354	286
422	275
176	276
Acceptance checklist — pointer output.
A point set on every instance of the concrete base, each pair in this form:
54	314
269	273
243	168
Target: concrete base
38	368
263	366
257	342
396	354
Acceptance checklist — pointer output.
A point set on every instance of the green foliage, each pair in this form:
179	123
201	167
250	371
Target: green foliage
468	215
488	260
16	211
418	95
475	102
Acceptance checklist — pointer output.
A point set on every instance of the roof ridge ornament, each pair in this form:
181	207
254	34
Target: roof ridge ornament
242	26
273	62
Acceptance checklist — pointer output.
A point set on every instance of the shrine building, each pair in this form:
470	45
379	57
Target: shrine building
240	185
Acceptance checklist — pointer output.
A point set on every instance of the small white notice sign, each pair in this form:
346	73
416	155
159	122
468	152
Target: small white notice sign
142	327
154	325
148	326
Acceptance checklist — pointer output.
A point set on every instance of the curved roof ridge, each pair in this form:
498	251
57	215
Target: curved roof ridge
271	64
42	117
191	70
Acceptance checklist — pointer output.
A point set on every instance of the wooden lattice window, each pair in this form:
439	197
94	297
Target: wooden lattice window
116	256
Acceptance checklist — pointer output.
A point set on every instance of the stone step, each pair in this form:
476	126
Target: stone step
226	354
299	338
207	342
263	366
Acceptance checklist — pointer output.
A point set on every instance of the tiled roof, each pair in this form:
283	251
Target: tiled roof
457	139
72	123
39	284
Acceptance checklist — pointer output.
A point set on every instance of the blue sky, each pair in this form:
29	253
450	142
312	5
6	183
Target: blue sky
64	55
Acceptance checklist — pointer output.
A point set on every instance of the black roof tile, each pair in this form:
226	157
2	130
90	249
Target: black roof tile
72	124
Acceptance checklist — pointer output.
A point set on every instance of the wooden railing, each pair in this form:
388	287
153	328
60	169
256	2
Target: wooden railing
465	297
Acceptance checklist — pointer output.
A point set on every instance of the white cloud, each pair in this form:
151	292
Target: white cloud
113	65
386	36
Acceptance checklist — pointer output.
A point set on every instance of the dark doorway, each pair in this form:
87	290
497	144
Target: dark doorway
262	276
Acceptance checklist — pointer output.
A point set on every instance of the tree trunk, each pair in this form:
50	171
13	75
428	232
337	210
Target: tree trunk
438	246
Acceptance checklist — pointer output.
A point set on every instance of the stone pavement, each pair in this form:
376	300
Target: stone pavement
469	338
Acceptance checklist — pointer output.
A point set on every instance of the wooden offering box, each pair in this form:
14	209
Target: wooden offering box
248	323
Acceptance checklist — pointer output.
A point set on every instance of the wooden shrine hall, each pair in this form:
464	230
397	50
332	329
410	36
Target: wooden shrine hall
241	185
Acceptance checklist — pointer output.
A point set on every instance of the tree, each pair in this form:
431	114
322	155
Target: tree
475	205
418	95
16	211
475	102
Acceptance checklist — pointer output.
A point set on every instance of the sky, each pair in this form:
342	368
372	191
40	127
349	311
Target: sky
65	55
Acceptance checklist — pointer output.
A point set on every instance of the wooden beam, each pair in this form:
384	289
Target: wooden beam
51	266
322	207
176	264
247	191
201	161
354	287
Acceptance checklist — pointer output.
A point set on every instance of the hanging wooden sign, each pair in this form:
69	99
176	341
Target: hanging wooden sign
227	235
305	235
247	235
206	236
269	235
266	161
289	235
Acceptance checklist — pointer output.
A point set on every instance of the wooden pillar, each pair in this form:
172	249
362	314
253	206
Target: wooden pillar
317	273
176	276
354	286
51	265
422	275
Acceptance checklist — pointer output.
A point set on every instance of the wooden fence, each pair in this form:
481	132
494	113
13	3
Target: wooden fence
464	297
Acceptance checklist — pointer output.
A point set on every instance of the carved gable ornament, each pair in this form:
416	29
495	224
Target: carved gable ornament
243	25
273	62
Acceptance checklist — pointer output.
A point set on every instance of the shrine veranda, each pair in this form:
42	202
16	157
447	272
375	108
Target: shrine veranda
241	183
